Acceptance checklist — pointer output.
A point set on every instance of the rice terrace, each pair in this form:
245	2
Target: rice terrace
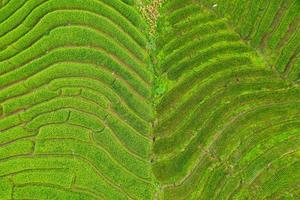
150	99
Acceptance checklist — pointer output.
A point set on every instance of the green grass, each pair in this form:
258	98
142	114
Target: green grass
94	104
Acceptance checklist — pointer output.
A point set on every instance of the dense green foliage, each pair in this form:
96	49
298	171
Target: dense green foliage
94	104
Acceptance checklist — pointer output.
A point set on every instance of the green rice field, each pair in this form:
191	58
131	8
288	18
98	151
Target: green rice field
149	99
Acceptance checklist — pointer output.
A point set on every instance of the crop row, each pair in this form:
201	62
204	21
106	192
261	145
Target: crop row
271	26
227	126
75	92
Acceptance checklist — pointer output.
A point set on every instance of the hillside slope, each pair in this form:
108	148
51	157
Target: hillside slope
130	99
